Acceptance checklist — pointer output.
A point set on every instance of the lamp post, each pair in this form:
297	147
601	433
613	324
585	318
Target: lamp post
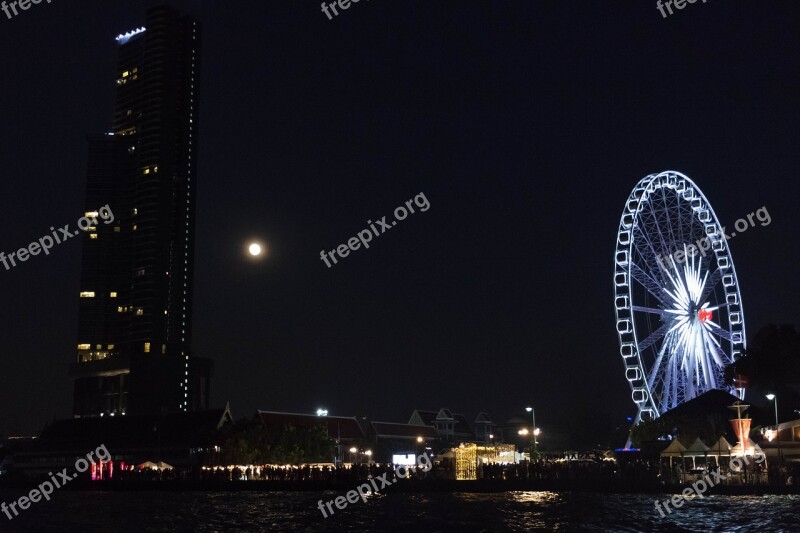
534	451
771	397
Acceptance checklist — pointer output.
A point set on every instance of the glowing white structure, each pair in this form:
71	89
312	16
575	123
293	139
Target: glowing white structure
679	311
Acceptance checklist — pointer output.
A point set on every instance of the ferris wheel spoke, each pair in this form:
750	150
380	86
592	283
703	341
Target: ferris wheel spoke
712	282
719	356
652	286
665	251
649	254
667	216
653	337
719	331
655	372
653	310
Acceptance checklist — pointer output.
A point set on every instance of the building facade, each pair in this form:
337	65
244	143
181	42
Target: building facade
135	315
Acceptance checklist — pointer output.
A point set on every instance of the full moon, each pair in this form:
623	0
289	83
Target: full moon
255	249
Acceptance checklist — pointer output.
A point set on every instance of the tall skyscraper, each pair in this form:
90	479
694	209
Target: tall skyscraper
135	317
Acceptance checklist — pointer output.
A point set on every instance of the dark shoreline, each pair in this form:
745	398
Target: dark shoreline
479	486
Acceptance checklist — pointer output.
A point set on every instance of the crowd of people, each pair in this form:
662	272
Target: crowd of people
320	472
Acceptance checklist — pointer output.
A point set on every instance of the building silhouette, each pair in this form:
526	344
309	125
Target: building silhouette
135	312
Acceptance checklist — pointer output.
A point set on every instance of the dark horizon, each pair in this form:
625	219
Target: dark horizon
524	125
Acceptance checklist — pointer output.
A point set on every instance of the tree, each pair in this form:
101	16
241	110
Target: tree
772	364
252	442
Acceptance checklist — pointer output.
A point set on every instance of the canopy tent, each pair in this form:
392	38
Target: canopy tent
697	449
675	449
161	465
748	449
721	448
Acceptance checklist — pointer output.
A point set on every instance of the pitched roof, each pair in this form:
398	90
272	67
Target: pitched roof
394	429
697	447
483	417
461	424
675	448
722	445
345	427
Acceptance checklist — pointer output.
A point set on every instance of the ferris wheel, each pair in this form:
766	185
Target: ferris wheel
679	311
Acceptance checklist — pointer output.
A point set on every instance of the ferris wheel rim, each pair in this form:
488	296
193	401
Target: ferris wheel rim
637	372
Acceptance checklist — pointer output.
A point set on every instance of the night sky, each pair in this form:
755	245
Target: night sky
525	123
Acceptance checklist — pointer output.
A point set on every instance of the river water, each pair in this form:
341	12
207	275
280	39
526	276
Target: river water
144	511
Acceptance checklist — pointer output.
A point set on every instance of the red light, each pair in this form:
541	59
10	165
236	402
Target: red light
704	315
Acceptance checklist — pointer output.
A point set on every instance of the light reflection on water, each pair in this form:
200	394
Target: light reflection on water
285	511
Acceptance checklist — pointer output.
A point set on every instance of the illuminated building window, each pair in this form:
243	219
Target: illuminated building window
93	235
112	294
155	168
120	309
91	228
84	346
163	348
110	346
135	227
135	211
147	171
140	272
90	214
130	112
125	74
87	294
116	229
99	346
139	311
147	347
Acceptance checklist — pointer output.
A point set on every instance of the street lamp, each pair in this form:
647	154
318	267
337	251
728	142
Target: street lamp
534	452
772	397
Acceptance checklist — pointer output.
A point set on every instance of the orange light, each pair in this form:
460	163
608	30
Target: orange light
704	315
